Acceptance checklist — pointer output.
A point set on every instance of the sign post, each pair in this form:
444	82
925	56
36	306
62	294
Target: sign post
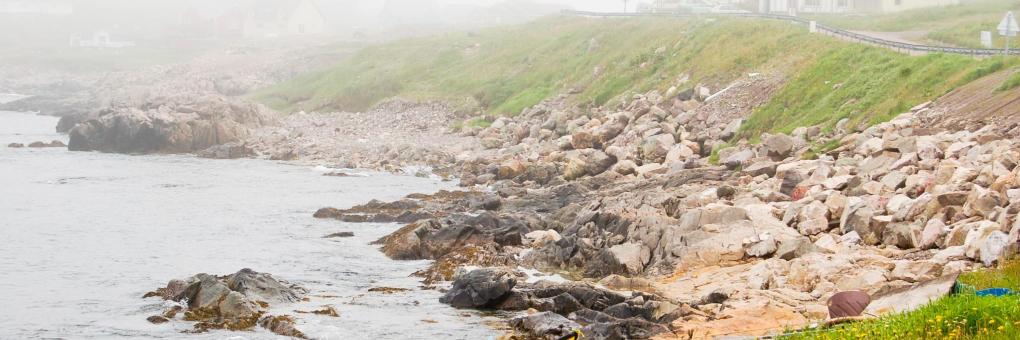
1008	28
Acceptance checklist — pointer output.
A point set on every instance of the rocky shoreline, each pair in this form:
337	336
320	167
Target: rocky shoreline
752	245
666	223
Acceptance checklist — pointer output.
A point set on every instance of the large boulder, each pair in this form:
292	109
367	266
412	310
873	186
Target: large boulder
813	219
544	325
933	234
862	220
982	202
630	257
779	146
903	235
262	286
655	148
432	238
480	288
205	292
234	302
177	124
794	248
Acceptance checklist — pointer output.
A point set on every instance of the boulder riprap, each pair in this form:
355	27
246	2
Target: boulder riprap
756	241
238	301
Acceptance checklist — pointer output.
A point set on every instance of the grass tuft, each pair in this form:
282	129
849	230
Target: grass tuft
1012	82
962	316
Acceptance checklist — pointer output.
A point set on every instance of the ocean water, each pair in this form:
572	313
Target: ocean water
84	235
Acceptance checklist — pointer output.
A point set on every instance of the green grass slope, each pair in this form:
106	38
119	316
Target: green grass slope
866	85
501	71
505	70
957	25
962	316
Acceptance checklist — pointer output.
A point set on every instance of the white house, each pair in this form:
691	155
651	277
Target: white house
283	18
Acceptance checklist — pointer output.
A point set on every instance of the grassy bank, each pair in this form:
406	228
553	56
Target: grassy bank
502	71
866	85
958	25
962	316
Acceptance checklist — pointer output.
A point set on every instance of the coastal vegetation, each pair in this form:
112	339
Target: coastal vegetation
603	62
959	316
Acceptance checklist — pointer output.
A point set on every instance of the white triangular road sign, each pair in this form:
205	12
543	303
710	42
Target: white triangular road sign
1008	26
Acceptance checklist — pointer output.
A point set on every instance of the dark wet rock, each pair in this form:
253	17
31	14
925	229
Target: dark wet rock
227	151
15	145
545	325
403	211
53	144
445	267
481	288
325	310
282	325
157	319
342	234
68	122
725	192
486	202
604	326
388	290
562	299
433	238
234	302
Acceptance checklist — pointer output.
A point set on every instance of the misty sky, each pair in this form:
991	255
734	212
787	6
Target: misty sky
594	5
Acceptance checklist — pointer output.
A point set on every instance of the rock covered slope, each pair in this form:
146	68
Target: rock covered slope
394	134
754	244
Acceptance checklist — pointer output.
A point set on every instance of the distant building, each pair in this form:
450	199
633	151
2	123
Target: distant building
888	6
98	39
794	7
283	18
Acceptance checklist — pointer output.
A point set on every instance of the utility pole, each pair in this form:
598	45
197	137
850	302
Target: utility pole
625	6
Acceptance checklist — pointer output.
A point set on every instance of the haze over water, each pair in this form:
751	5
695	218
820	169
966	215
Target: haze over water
85	235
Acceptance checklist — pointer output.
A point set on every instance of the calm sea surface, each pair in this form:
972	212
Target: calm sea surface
85	235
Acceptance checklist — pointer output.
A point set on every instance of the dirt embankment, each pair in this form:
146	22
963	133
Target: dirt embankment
977	105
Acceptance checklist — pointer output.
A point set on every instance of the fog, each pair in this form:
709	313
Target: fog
340	15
